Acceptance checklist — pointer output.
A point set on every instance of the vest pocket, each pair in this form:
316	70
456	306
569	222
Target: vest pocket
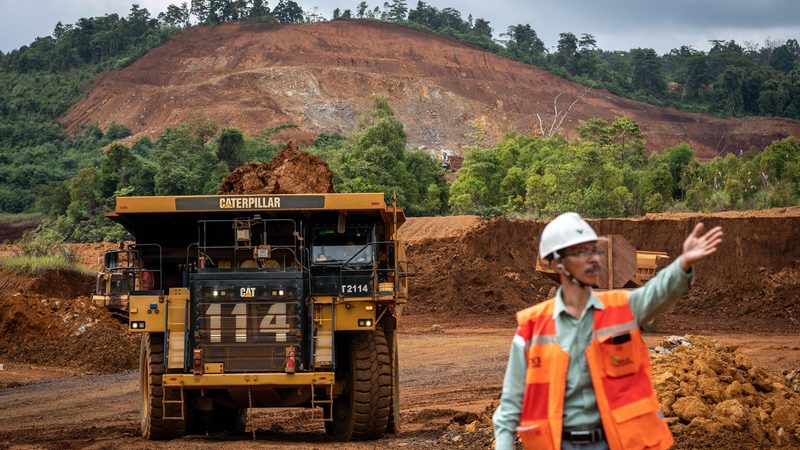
639	426
620	355
536	434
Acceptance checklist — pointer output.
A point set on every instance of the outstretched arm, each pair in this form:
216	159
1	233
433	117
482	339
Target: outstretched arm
664	290
698	245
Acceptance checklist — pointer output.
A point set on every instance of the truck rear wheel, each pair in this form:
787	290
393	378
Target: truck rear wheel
151	392
362	411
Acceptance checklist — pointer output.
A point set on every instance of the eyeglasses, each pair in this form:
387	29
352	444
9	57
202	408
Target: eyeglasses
586	252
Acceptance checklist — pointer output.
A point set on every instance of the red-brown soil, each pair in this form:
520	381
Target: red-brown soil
48	319
291	171
12	230
750	284
319	76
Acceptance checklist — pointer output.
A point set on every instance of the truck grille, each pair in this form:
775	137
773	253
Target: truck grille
247	325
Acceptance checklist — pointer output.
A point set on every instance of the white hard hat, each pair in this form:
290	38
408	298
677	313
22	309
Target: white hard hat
564	231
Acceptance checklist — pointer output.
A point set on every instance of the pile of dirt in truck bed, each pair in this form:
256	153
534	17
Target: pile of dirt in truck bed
750	284
714	397
43	320
291	171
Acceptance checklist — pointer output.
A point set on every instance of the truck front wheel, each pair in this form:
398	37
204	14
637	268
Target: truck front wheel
151	392
362	411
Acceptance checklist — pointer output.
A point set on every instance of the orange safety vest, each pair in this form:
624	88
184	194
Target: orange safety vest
619	364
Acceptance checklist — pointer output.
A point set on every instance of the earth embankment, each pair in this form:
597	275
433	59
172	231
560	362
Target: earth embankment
750	284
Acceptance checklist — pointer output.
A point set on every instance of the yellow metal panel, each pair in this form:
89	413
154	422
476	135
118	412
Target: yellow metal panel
355	201
177	309
155	319
323	342
213	368
323	300
246	380
348	314
151	204
144	204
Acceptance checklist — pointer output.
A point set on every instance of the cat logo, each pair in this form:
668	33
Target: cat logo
247	292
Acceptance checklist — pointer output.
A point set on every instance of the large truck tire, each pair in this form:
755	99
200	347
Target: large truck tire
361	412
393	427
151	392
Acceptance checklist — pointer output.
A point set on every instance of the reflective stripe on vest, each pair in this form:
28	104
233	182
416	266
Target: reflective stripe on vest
619	365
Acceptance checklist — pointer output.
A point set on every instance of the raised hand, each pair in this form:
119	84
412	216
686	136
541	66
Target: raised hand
698	245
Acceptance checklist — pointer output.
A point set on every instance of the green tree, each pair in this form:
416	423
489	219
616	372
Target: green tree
230	148
523	43
677	160
647	74
567	51
396	10
728	97
288	11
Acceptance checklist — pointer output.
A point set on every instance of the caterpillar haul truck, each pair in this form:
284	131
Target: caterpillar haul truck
122	272
267	301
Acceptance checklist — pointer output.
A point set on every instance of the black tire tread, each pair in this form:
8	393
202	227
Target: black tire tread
371	386
154	427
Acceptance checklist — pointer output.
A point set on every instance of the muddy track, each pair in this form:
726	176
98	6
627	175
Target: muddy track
448	378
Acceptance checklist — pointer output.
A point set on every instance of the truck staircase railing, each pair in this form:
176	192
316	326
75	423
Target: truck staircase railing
315	335
166	403
349	266
322	401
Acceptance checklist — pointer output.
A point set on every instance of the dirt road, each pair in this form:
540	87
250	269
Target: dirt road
449	375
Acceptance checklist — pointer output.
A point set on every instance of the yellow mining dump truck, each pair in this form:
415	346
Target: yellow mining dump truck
122	272
267	301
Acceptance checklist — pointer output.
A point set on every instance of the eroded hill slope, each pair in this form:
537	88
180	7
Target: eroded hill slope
320	75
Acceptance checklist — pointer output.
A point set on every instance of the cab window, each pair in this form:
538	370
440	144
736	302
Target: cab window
332	247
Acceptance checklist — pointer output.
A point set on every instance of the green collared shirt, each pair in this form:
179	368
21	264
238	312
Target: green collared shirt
574	335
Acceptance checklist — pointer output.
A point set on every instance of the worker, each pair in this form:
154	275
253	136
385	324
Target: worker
578	374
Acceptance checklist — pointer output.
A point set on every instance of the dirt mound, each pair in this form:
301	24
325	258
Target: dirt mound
417	229
46	318
488	270
291	171
320	75
750	284
11	230
713	396
65	333
62	284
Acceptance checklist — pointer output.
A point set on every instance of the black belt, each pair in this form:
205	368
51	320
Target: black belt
583	436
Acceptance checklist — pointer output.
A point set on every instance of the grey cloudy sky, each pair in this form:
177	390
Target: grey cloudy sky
616	24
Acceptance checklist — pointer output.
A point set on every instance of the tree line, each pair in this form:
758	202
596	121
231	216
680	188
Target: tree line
605	172
193	158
